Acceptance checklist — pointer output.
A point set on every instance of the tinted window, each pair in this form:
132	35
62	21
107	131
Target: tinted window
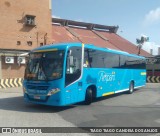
123	60
100	59
94	58
132	62
111	60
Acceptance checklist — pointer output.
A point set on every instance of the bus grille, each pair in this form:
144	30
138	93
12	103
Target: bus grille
37	87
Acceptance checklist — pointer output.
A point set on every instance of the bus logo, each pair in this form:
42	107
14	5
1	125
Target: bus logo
106	77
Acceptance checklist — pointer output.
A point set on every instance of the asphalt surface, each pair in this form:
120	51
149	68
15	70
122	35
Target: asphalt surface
140	109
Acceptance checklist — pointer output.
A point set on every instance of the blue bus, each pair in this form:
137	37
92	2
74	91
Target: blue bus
67	73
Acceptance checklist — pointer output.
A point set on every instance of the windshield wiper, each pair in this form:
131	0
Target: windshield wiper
42	69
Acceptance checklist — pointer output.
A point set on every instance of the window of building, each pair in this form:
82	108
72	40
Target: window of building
18	42
29	43
30	20
41	44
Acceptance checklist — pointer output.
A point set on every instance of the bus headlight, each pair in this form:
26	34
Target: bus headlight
53	91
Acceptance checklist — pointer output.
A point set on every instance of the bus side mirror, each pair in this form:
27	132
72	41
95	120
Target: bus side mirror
71	61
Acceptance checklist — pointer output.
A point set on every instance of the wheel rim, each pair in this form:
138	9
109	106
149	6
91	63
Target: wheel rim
131	87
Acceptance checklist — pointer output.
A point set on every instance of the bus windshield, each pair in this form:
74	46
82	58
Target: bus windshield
45	65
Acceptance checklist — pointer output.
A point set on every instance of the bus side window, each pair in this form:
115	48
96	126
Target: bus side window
87	58
73	66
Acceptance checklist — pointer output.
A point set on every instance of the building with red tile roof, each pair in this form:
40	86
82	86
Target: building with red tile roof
99	35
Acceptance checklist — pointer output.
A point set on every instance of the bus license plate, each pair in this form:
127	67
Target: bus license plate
36	97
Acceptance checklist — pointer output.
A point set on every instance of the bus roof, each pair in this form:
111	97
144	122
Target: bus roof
90	46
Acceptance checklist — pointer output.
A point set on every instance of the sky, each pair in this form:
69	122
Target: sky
134	17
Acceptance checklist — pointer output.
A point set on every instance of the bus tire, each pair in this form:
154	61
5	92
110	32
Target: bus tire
131	87
89	96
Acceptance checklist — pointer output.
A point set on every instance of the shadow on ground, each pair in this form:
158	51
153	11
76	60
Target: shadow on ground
18	104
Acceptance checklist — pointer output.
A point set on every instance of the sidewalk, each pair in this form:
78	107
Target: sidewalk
152	85
14	89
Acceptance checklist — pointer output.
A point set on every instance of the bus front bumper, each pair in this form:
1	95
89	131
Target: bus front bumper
53	100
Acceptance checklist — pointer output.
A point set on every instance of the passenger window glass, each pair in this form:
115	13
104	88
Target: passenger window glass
73	66
93	58
111	60
100	59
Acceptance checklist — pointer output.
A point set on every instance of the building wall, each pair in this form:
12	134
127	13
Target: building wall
13	29
12	70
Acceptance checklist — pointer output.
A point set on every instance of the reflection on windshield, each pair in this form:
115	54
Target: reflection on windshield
45	66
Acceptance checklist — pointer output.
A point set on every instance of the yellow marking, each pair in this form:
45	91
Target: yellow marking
7	83
15	82
105	94
82	44
113	73
45	50
143	73
19	81
157	79
11	83
2	83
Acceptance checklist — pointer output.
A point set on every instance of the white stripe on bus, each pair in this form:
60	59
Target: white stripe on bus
121	90
127	89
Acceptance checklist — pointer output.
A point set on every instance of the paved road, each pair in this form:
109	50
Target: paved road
140	109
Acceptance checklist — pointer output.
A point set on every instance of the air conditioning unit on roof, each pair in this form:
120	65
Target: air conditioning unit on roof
9	60
21	60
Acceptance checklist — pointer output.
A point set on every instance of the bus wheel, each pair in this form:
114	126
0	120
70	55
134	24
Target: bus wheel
131	88
89	96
